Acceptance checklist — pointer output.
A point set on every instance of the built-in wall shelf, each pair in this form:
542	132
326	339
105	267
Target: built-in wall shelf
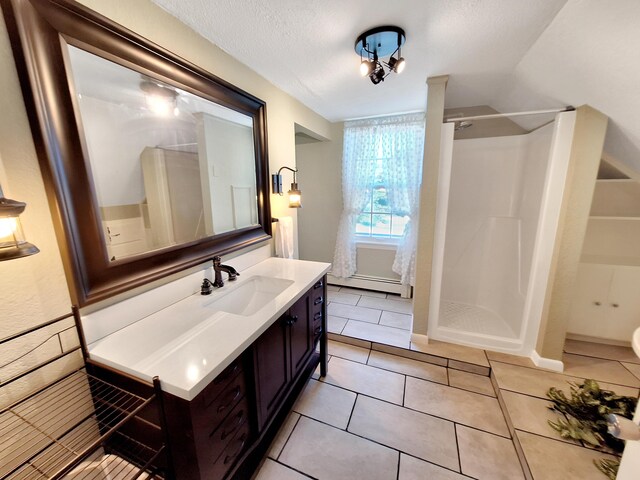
616	180
603	217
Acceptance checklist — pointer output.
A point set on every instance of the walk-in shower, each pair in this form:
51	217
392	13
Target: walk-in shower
498	209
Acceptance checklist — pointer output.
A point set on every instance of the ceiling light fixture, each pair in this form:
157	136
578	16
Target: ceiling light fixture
161	100
376	44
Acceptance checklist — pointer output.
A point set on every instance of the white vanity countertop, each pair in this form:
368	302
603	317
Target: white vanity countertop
187	344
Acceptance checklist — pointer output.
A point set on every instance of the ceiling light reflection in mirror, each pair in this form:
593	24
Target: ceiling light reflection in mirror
168	167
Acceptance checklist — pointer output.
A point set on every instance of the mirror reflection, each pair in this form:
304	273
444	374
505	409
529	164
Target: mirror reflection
168	167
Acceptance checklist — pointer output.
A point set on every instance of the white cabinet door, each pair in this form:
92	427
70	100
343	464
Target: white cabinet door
624	303
590	307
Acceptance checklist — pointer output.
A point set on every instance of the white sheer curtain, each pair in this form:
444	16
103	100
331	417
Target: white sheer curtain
398	142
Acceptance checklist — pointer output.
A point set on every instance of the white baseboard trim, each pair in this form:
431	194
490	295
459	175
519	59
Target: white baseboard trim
547	363
372	283
419	341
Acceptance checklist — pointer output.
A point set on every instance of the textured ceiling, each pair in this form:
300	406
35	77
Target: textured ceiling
509	54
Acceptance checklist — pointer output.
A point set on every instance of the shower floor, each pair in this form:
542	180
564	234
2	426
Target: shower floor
473	319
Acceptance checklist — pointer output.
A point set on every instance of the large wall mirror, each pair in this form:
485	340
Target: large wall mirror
152	165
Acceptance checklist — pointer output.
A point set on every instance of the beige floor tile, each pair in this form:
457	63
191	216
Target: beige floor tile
333	288
600	350
457	405
349	352
415	433
600	369
327	453
349	340
283	435
336	324
407	353
366	293
397	306
415	469
377	333
326	403
456	352
552	460
471	382
271	470
352	312
397	320
342	297
531	414
406	366
633	368
486	456
512	359
364	379
537	382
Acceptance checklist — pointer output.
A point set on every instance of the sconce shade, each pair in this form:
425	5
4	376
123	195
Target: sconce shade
12	241
295	195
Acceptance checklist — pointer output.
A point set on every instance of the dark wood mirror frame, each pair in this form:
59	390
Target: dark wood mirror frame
39	31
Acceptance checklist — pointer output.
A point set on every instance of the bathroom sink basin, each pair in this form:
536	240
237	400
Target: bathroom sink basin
635	341
249	297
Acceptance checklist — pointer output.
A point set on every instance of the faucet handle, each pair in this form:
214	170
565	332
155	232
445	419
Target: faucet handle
205	288
217	260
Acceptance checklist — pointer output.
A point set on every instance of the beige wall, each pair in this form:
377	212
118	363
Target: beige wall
34	288
320	180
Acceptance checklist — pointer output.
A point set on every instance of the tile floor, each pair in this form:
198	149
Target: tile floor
447	412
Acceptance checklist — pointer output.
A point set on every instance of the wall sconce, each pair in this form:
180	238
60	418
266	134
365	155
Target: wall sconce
12	242
295	195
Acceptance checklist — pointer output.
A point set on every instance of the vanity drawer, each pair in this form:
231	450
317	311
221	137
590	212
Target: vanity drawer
213	413
219	384
233	451
223	437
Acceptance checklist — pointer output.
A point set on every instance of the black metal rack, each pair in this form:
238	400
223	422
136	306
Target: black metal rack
74	428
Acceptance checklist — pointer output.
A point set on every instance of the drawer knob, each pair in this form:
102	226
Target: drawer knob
318	301
318	285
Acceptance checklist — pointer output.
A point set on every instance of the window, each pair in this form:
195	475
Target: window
377	219
381	173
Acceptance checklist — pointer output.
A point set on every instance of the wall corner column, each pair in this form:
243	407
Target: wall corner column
586	152
436	87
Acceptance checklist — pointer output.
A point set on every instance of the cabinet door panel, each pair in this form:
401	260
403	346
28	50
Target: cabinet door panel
301	333
625	293
592	286
271	365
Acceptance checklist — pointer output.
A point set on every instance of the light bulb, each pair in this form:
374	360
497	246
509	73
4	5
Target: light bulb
8	226
400	65
365	68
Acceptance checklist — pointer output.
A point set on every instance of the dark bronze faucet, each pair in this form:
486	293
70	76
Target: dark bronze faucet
218	268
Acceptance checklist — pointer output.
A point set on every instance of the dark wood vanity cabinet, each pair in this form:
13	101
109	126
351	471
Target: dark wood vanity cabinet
281	353
224	432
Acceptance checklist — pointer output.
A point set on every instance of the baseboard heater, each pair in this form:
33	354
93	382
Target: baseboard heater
372	283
